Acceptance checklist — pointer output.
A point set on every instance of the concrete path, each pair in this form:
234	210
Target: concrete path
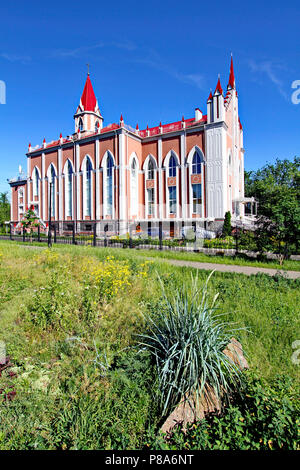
230	268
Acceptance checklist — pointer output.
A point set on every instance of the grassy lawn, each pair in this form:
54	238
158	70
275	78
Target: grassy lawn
288	265
240	260
70	317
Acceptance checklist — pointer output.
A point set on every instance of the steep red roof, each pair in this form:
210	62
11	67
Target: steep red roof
218	87
231	81
88	98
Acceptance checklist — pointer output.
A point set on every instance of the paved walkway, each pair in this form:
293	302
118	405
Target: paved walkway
230	268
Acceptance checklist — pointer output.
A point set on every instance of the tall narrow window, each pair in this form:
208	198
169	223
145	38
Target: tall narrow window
52	187
69	190
80	125
172	166
96	126
150	174
150	192
88	187
133	187
196	164
172	199
109	185
196	188
35	181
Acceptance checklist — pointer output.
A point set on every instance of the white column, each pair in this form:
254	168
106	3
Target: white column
160	181
183	175
97	144
60	187
122	186
28	177
77	181
43	188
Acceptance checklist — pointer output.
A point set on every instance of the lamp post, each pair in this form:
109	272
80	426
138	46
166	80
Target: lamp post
49	228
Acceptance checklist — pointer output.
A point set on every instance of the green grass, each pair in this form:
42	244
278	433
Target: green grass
239	260
81	383
288	265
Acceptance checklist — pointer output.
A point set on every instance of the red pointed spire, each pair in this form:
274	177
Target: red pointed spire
147	127
160	125
60	135
137	127
210	96
218	87
231	81
182	119
44	141
88	98
121	118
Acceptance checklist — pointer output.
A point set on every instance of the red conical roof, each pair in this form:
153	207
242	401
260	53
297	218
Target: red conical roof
231	81
218	87
210	96
88	98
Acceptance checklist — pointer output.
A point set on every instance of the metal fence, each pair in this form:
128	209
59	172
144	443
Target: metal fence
240	243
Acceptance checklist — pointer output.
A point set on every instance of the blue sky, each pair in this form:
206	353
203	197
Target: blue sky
150	61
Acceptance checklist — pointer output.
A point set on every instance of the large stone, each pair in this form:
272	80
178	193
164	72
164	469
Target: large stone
190	409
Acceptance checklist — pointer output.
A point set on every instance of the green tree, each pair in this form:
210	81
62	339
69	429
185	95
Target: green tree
4	210
226	231
277	188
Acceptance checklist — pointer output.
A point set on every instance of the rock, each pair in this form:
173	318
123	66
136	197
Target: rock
186	412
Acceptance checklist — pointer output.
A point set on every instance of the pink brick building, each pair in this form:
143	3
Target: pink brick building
188	171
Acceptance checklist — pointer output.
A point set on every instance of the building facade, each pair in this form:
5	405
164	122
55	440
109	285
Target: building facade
189	171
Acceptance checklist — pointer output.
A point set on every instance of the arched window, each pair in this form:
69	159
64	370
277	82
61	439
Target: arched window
96	126
52	182
69	189
196	164
36	180
109	185
88	186
80	125
150	173
133	187
172	166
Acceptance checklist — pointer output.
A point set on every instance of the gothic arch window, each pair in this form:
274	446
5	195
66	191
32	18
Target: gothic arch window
196	164
87	175
172	166
35	181
150	171
80	125
134	187
96	126
109	185
69	188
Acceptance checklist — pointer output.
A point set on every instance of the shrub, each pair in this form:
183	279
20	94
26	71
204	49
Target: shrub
187	338
261	417
226	231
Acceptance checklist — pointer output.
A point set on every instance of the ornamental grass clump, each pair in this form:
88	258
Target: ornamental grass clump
186	338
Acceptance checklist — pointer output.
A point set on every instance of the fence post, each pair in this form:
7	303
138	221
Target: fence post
49	235
73	233
94	234
54	233
23	234
10	231
39	233
236	241
160	233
